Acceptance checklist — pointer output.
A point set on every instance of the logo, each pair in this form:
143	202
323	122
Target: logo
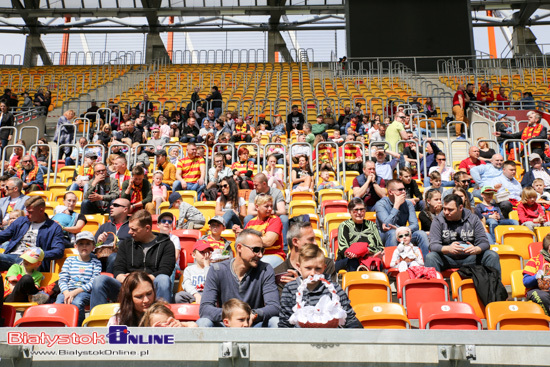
120	334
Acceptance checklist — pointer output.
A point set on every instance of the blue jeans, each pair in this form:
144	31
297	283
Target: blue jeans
231	218
284	219
69	161
7	260
443	262
272	260
217	112
271	323
190	186
111	263
493	223
419	238
187	139
106	288
81	300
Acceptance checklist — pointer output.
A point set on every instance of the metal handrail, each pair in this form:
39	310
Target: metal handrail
4	154
337	168
353	143
49	166
424	150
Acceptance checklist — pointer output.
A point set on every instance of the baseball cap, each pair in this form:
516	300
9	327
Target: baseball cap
161	152
86	235
33	255
534	156
165	214
202	245
217	218
501	116
173	198
91	155
262	114
488	189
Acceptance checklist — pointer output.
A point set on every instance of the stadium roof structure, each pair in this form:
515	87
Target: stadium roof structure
37	17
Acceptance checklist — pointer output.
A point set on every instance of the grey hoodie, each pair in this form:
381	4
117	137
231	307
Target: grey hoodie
468	229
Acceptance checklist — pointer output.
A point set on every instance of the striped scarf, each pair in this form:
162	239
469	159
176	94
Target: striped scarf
137	195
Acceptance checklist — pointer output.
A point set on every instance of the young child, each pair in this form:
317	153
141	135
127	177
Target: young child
406	254
9	219
435	182
337	138
160	193
23	280
165	130
531	214
160	315
263	130
236	313
78	273
491	214
174	155
279	128
543	197
194	275
312	262
326	183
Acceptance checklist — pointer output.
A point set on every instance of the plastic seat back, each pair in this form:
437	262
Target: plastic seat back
298	207
509	259
188	238
516	316
518	289
448	316
185	311
382	315
463	290
50	315
333	221
415	292
534	248
8	314
100	315
541	232
330	194
333	206
366	286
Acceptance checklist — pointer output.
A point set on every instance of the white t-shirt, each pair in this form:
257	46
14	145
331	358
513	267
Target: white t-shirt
176	241
229	206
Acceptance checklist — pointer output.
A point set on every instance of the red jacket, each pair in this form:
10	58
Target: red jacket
528	213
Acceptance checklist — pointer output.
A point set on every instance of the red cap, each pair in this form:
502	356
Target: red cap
202	245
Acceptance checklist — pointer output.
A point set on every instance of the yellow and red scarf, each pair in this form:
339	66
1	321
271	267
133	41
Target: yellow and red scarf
137	195
531	131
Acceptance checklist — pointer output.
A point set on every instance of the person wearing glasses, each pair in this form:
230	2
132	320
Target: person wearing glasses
165	223
246	278
445	171
116	229
472	160
461	180
357	230
31	174
394	211
396	131
101	191
229	205
14	200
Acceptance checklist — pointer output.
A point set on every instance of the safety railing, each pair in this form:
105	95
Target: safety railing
335	158
517	144
49	163
34	128
217	148
530	142
72	146
415	143
352	144
424	144
5	149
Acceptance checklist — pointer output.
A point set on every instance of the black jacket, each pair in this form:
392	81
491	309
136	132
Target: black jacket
160	259
487	282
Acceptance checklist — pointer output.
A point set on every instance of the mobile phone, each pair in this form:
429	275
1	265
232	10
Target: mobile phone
278	276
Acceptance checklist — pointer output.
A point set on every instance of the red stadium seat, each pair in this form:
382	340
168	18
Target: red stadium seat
187	237
8	314
448	316
415	292
185	311
534	249
53	315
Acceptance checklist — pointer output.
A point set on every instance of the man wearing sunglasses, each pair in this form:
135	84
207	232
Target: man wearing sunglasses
396	131
117	225
14	200
246	278
101	191
462	180
31	175
395	211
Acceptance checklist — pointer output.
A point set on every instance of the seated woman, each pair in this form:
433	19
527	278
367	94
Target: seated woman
464	196
136	295
105	136
530	281
485	153
275	176
42	153
432	209
302	176
429	108
229	205
357	230
243	169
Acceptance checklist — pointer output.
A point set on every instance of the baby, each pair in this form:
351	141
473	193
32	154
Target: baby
406	254
337	138
62	216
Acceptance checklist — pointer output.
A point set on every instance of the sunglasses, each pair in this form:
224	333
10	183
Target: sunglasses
224	186
256	250
441	159
465	181
166	221
357	210
404	235
25	161
400	189
117	205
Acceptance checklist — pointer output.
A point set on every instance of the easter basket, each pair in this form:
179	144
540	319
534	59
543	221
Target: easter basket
544	279
327	313
102	250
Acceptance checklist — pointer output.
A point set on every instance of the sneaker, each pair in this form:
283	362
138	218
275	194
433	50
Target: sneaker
461	137
40	298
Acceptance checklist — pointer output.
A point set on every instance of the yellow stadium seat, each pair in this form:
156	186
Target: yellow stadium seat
100	315
509	259
518	289
517	236
189	196
298	207
207	208
330	194
516	316
366	286
382	315
333	220
541	232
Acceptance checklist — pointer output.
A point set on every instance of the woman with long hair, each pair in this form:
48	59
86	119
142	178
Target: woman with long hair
432	209
302	176
275	176
229	205
136	295
464	195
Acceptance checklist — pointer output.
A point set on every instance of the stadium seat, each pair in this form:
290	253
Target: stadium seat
333	221
207	208
541	232
463	290
43	194
534	249
8	314
330	194
188	238
189	196
366	286
301	195
371	216
333	206
56	265
386	258
448	316
517	236
185	311
298	207
512	315
333	242
509	260
93	222
100	315
382	315
51	315
414	292
518	289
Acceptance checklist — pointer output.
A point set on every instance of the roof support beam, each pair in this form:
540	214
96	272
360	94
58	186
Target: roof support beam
275	41
154	48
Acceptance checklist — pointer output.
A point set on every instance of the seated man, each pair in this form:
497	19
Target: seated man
385	169
101	191
472	160
167	168
146	251
461	180
506	182
368	186
33	230
191	172
246	278
14	200
31	174
121	173
395	211
538	170
457	238
484	174
137	190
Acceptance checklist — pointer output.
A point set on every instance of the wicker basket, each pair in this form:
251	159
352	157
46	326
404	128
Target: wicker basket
544	283
332	324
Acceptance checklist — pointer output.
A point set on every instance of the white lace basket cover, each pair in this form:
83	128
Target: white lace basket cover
327	313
